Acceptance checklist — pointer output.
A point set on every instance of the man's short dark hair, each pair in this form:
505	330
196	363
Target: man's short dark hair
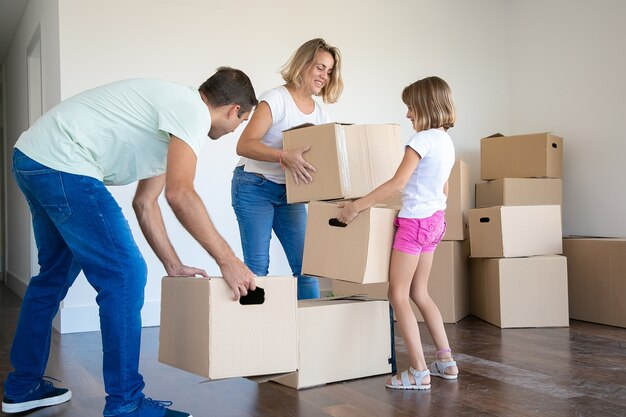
230	86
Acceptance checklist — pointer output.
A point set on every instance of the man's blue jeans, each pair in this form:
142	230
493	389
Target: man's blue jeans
78	225
261	206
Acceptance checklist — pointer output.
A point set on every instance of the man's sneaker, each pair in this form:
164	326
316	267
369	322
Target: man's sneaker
152	408
44	395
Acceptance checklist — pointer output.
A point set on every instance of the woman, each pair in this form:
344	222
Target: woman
258	190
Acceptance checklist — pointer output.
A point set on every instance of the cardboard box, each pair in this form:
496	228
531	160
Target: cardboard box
597	279
538	155
457	227
346	288
509	231
519	192
358	252
205	332
448	284
351	160
520	292
340	339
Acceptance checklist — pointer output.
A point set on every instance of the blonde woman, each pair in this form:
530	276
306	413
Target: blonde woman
422	177
258	184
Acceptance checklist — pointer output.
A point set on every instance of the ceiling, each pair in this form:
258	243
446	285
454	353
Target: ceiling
10	14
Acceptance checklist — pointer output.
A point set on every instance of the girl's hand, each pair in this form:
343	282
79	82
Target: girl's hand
348	211
299	167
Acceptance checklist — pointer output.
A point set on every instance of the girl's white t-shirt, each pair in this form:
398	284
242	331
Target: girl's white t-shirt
423	194
285	115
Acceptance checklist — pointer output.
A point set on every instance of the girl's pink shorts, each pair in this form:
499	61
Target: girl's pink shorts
415	236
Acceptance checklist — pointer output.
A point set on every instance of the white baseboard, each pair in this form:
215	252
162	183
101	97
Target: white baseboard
77	319
16	285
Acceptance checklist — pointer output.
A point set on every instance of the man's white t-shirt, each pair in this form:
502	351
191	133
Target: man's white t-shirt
285	115
423	194
118	133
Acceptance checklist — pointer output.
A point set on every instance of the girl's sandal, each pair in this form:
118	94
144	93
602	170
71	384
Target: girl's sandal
405	383
438	367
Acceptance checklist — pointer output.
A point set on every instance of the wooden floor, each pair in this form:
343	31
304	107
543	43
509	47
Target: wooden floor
575	371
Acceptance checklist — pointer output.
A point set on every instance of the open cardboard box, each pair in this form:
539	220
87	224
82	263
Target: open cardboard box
339	339
205	332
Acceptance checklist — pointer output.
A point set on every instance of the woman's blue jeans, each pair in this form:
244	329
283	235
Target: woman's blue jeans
261	206
78	225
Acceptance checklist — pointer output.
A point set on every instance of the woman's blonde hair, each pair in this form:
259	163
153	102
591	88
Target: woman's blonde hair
430	100
302	60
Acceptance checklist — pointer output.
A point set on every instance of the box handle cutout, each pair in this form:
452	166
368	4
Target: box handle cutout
336	223
554	145
485	220
253	297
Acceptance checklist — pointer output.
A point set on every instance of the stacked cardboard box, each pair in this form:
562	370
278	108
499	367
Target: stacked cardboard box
597	279
518	276
350	160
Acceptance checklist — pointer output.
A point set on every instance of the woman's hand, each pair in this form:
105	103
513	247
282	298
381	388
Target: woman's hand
299	167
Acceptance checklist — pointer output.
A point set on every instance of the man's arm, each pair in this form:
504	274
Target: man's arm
192	214
148	212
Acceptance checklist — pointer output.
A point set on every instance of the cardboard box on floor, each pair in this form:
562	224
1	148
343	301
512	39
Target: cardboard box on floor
340	339
597	279
520	292
458	202
510	231
538	155
358	252
519	192
448	284
205	332
350	160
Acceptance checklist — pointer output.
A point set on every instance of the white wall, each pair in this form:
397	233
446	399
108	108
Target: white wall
514	67
43	14
567	65
384	49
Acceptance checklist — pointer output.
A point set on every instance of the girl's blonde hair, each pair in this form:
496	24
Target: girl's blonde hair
430	100
302	60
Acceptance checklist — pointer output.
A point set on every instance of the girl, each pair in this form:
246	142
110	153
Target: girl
258	190
422	177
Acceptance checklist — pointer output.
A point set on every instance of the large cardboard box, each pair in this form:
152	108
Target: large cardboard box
520	292
350	160
597	279
510	231
522	156
341	339
448	284
519	192
358	252
457	227
205	332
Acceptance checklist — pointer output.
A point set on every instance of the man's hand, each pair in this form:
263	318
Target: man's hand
238	277
185	271
299	167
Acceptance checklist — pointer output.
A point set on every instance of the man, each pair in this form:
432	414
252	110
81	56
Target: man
134	130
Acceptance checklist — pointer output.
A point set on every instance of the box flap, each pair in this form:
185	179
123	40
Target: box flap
311	124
